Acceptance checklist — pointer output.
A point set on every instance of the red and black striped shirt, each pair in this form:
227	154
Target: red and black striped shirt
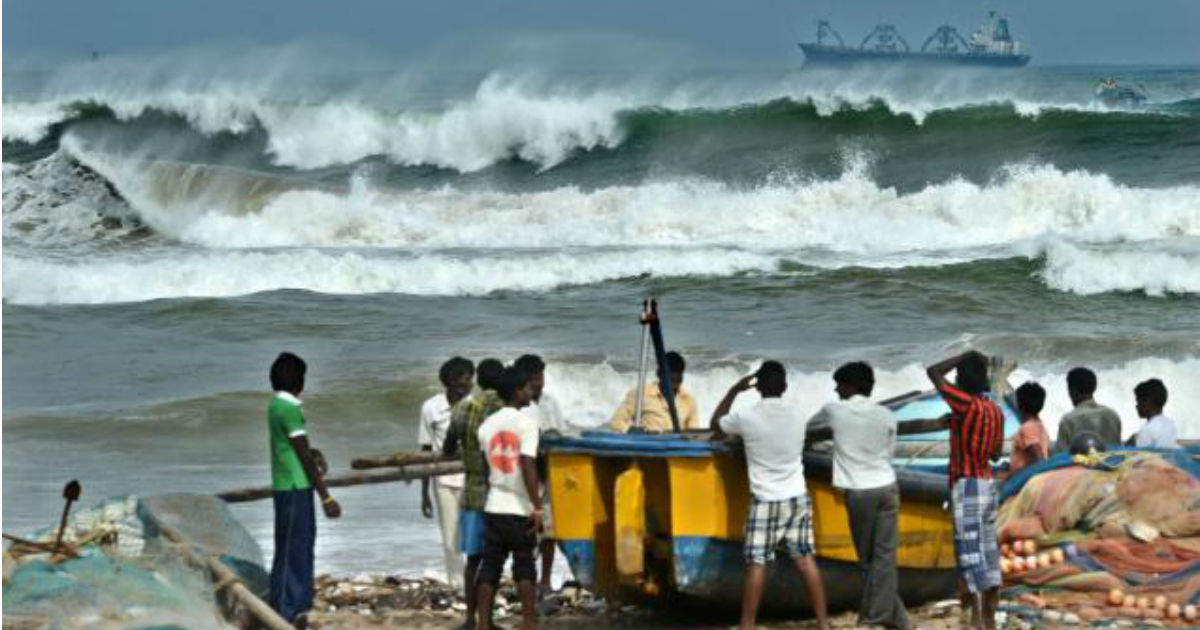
976	427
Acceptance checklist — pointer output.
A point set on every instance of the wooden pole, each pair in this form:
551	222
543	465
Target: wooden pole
400	459
404	473
224	577
908	427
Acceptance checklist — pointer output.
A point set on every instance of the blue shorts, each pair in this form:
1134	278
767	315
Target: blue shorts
470	532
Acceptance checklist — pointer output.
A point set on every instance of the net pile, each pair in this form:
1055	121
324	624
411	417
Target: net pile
119	571
1110	534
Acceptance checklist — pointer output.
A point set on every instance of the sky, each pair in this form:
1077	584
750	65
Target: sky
727	32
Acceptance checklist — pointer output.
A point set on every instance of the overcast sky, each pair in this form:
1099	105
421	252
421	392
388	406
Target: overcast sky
734	32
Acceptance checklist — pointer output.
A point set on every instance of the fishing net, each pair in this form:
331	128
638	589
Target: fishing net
1129	493
1127	520
126	573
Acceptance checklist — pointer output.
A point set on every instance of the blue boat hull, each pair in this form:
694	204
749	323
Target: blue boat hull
819	55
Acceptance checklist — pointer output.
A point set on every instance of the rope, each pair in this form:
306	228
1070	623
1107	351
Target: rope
221	585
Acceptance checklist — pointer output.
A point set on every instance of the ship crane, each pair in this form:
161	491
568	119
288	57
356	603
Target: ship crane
947	39
885	36
825	30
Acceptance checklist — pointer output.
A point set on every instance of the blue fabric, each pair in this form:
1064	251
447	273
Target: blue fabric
295	540
470	532
1114	457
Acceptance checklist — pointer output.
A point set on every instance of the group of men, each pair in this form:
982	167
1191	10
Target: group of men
499	507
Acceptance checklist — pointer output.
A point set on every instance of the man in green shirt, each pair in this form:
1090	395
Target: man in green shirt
465	419
295	472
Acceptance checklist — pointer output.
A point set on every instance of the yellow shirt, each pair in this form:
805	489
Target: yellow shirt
655	414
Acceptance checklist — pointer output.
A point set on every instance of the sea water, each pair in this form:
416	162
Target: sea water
166	234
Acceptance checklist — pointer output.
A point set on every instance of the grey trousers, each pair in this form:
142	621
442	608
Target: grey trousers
874	516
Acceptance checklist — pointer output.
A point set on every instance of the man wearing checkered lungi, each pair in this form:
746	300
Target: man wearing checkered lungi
976	436
780	516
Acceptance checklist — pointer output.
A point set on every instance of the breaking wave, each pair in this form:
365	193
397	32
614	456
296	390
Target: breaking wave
247	232
217	207
507	119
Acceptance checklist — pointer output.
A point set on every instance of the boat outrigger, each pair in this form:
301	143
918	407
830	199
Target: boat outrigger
661	516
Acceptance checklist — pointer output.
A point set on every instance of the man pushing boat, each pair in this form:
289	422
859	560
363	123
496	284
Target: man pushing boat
780	509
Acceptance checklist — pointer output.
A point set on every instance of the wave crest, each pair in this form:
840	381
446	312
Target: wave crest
509	117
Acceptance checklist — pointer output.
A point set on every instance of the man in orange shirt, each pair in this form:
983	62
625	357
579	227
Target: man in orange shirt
1032	443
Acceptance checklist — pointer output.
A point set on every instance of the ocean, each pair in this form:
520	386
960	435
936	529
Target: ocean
168	231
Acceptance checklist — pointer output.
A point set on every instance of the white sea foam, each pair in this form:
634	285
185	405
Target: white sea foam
233	273
29	122
588	393
1096	235
851	214
1154	268
508	114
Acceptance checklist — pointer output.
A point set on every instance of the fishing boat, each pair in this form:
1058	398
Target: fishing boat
1111	94
661	517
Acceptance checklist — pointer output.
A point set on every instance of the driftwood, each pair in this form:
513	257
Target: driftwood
224	578
400	459
24	546
404	473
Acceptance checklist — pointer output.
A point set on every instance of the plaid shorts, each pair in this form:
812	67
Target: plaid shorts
773	524
975	543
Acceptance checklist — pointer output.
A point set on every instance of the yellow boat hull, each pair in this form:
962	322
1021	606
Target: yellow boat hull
669	523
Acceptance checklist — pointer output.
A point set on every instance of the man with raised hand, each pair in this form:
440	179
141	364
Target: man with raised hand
976	439
780	513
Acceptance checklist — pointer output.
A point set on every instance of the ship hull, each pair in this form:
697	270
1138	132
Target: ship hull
818	55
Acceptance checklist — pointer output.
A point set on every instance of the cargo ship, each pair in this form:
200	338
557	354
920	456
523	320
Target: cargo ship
990	46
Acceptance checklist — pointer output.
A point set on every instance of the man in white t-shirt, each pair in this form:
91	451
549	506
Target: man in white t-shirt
864	438
1159	430
513	513
457	376
544	409
780	509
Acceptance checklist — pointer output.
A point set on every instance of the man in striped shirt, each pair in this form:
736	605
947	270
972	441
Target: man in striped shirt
976	439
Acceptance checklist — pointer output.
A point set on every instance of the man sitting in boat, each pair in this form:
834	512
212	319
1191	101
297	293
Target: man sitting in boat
656	415
976	439
780	513
864	438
